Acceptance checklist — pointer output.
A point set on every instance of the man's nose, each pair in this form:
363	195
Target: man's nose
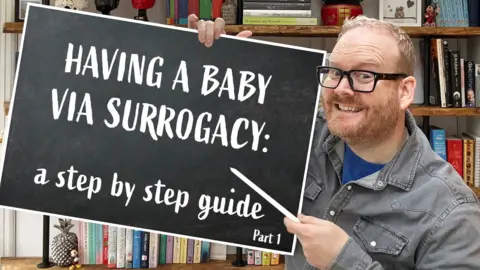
344	88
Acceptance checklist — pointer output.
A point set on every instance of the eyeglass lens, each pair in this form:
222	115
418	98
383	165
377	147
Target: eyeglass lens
361	80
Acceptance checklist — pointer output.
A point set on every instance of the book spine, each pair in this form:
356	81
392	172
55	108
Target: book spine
275	259
145	249
86	251
190	250
197	251
105	245
169	251
277	13
99	244
470	83
441	73
455	78
121	247
205	253
81	255
128	248
137	248
455	154
276	6
112	247
266	258
438	142
250	256
446	63
258	257
468	163
153	250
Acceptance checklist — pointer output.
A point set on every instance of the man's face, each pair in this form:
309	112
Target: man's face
374	114
470	95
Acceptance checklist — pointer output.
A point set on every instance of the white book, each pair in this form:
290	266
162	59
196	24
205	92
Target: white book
153	250
120	247
128	248
112	246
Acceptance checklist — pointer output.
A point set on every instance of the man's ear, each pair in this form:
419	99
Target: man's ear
406	92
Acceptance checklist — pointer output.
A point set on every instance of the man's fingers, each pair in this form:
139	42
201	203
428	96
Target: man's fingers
292	226
245	34
201	31
219	27
192	21
209	33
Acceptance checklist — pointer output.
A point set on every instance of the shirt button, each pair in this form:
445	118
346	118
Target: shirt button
373	243
349	187
380	183
332	213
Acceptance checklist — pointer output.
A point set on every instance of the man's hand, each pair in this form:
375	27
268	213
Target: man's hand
208	30
321	240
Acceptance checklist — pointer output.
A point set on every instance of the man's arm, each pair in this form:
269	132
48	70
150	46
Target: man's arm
454	240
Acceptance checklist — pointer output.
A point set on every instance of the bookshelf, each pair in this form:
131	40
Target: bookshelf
310	31
30	264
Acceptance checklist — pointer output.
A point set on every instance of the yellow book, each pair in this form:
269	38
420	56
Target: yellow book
176	249
279	20
183	249
266	258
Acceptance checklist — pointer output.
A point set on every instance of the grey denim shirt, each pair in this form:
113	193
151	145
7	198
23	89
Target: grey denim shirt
416	213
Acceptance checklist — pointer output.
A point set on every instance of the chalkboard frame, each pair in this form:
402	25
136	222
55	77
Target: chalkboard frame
9	119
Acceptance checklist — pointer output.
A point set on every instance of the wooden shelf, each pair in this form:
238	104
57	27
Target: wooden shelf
31	263
310	31
439	111
416	110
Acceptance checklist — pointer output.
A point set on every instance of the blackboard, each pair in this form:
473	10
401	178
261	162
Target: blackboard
69	147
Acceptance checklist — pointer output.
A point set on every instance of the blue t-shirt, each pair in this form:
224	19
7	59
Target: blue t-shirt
354	167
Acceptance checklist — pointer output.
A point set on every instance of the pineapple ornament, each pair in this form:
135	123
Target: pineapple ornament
64	243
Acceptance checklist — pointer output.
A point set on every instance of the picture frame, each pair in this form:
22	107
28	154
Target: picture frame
21	8
401	12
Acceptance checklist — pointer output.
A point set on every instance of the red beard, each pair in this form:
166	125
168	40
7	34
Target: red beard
143	4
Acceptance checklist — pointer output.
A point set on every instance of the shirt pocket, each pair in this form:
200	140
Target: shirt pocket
382	242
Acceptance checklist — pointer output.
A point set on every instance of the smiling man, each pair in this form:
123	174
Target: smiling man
377	196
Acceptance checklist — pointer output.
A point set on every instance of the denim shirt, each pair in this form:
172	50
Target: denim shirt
416	213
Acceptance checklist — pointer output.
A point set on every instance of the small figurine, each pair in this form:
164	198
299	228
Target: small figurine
431	14
75	263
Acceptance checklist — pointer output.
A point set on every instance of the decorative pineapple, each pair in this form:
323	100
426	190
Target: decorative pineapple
64	243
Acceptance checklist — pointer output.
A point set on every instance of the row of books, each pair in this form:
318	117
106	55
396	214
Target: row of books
272	12
117	247
458	13
454	80
277	12
462	151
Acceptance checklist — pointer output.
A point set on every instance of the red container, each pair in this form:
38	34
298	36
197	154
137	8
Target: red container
336	14
143	4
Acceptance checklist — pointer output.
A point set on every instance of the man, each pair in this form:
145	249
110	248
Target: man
377	196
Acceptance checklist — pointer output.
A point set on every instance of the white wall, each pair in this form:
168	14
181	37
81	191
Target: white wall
29	226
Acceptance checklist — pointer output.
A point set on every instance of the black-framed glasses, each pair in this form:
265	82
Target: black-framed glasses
360	80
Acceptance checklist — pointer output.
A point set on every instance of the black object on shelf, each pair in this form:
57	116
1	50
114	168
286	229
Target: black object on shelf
46	244
239	261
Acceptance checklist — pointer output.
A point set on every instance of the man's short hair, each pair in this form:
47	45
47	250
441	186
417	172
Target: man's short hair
406	63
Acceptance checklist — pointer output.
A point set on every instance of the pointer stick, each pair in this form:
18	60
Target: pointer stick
264	195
